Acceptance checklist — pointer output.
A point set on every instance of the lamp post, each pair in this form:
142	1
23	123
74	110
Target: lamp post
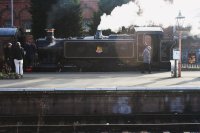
179	27
11	10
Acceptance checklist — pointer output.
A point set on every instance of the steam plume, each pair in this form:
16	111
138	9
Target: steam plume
153	12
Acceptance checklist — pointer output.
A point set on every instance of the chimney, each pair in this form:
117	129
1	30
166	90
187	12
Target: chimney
50	35
98	35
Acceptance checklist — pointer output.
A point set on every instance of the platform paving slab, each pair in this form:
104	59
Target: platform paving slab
102	80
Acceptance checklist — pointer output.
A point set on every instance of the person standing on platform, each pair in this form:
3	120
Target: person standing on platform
147	55
8	57
30	50
18	55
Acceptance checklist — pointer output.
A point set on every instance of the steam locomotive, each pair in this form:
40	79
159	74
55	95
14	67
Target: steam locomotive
103	53
96	53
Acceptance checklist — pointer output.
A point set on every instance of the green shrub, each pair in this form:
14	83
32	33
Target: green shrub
10	76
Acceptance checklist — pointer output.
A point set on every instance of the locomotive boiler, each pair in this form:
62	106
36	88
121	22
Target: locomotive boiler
100	53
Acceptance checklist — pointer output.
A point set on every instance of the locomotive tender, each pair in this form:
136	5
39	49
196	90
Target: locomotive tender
104	53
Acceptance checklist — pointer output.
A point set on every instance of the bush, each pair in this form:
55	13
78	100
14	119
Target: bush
10	76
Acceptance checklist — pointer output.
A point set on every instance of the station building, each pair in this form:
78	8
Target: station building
22	16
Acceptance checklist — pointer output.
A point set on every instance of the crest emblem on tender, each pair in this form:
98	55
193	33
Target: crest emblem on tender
99	50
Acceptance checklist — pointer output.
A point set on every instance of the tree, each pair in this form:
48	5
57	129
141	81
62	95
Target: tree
95	22
67	19
39	9
107	32
105	6
62	15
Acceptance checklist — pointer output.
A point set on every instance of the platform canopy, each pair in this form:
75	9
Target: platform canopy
8	31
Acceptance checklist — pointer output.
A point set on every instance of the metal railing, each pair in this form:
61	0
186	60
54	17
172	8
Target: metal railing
190	66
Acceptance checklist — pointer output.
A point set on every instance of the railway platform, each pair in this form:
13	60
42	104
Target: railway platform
93	80
100	102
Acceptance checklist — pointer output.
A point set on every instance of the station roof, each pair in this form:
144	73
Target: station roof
149	29
8	31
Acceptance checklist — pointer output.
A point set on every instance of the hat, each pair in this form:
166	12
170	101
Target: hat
149	47
9	43
18	43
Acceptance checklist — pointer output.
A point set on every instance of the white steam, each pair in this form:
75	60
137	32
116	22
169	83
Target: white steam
153	12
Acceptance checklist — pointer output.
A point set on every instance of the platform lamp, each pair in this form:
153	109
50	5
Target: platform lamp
179	28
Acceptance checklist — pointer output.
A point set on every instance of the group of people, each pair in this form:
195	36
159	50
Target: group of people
15	55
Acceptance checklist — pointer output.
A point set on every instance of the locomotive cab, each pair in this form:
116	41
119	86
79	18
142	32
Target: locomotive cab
159	47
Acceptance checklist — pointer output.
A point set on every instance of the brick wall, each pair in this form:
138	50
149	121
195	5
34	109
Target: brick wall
21	18
88	8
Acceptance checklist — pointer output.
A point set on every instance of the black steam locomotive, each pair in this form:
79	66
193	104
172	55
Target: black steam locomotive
96	53
114	52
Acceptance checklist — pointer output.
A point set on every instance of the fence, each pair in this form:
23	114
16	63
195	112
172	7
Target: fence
190	66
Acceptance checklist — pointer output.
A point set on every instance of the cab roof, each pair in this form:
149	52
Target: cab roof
149	30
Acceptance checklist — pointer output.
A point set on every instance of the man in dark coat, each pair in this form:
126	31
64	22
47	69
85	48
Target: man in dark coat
30	50
8	57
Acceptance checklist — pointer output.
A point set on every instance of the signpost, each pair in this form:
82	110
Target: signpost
180	19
